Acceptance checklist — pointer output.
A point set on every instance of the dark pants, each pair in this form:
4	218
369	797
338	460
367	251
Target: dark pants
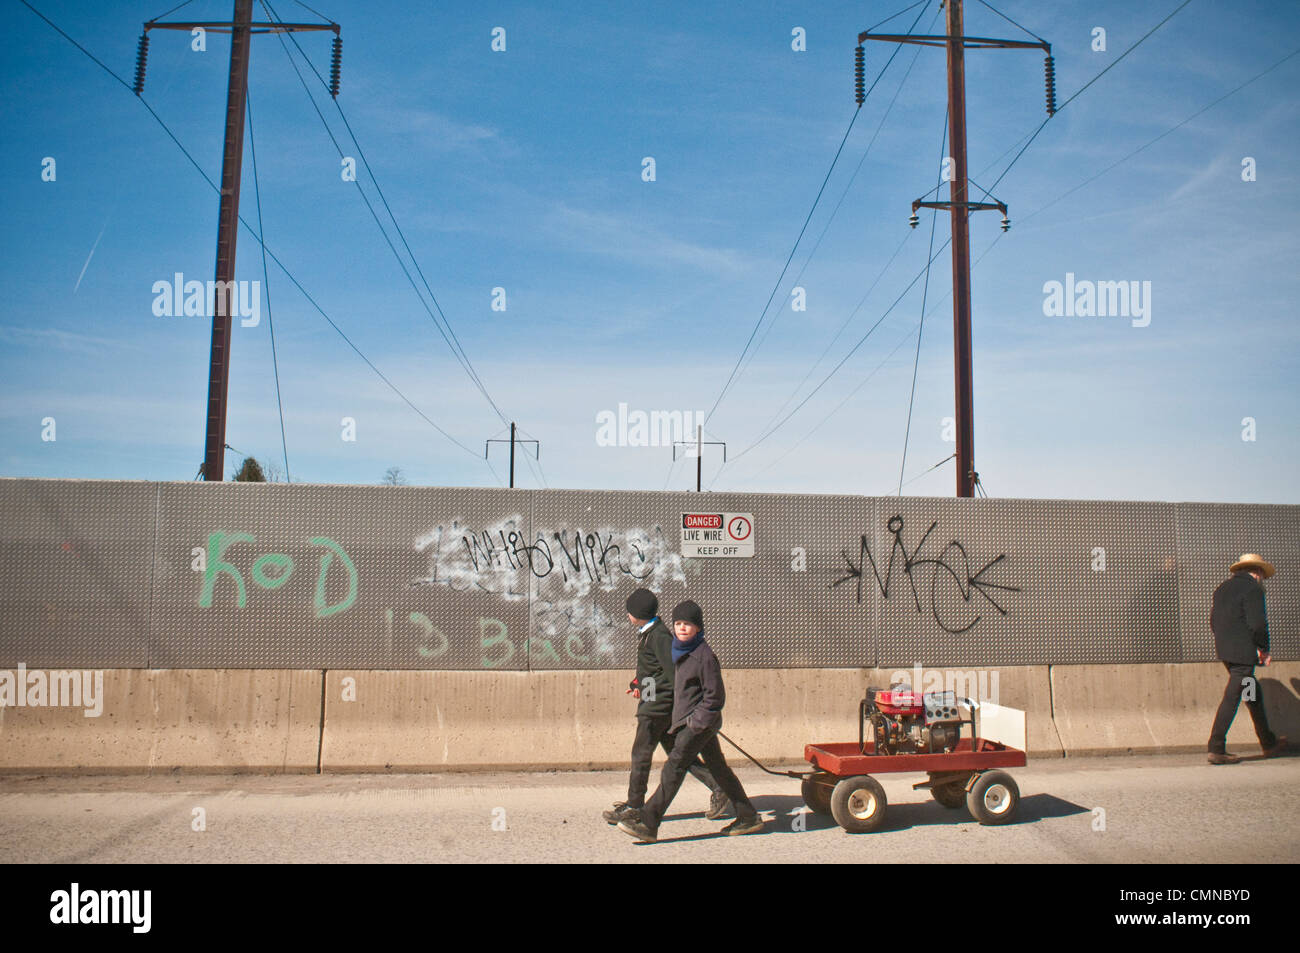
651	732
687	745
1228	708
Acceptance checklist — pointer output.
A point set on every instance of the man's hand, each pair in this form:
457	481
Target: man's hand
1264	657
633	689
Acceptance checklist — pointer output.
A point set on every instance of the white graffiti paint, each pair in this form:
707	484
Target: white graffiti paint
566	567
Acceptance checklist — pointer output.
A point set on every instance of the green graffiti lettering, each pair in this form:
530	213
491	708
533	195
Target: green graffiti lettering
546	651
326	560
499	638
272	559
217	543
422	620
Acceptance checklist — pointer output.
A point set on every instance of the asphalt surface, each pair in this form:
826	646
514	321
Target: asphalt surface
1124	810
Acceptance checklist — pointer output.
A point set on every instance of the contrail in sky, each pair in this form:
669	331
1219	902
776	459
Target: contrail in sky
90	256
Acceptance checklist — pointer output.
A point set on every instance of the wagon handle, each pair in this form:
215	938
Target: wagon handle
789	774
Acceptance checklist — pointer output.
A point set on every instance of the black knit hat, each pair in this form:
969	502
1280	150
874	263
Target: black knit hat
642	604
689	611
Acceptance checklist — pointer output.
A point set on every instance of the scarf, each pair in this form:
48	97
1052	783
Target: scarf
682	649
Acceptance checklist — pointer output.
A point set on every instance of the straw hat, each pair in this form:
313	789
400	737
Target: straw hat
1253	561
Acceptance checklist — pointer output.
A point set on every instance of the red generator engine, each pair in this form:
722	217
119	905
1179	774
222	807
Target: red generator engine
905	722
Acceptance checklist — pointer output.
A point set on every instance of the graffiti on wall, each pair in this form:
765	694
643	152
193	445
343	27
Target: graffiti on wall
951	570
565	566
271	571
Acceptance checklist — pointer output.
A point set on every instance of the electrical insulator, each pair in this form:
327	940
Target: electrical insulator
1049	75
1006	222
141	56
859	76
914	221
336	64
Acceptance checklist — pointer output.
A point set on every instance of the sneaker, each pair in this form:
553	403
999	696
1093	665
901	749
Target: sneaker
638	830
744	825
1217	758
621	811
1279	746
720	806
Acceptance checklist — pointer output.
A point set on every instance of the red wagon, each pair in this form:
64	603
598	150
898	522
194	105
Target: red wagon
842	785
902	730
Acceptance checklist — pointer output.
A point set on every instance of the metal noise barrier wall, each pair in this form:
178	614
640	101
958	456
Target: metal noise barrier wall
224	575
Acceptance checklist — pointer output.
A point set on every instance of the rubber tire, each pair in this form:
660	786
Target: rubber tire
817	796
952	794
1005	809
848	797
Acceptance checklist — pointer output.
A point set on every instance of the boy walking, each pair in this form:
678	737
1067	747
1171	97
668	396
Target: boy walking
698	697
653	686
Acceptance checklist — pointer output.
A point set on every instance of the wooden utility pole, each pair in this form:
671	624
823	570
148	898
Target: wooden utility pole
961	350
959	205
241	27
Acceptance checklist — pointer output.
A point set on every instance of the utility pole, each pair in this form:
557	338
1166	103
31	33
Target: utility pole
960	206
699	444
241	27
537	450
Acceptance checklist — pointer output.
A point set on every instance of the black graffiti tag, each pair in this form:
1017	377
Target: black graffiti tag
959	574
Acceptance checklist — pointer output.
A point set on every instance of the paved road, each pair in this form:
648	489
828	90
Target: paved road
1164	809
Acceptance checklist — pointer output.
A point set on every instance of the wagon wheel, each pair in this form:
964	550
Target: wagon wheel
858	804
817	792
952	794
993	798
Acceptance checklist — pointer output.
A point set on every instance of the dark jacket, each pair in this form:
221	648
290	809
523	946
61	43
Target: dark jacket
1238	620
654	659
698	695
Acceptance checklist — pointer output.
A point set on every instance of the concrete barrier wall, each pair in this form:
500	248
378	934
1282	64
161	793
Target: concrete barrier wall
1141	709
231	720
152	720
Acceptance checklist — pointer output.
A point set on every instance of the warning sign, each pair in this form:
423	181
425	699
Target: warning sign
717	535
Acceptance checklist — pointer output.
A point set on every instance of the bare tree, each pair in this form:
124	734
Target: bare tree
393	477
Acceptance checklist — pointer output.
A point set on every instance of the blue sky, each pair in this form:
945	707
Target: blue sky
522	170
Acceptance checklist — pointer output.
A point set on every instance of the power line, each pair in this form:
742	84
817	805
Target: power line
266	281
445	329
271	254
844	359
835	211
840	331
820	191
840	406
1162	135
1067	102
1014	23
449	334
169	13
1144	147
925	291
929	469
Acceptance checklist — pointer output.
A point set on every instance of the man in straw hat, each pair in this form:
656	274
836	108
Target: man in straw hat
1241	642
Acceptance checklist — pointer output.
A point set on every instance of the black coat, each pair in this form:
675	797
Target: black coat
1238	619
698	693
654	659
